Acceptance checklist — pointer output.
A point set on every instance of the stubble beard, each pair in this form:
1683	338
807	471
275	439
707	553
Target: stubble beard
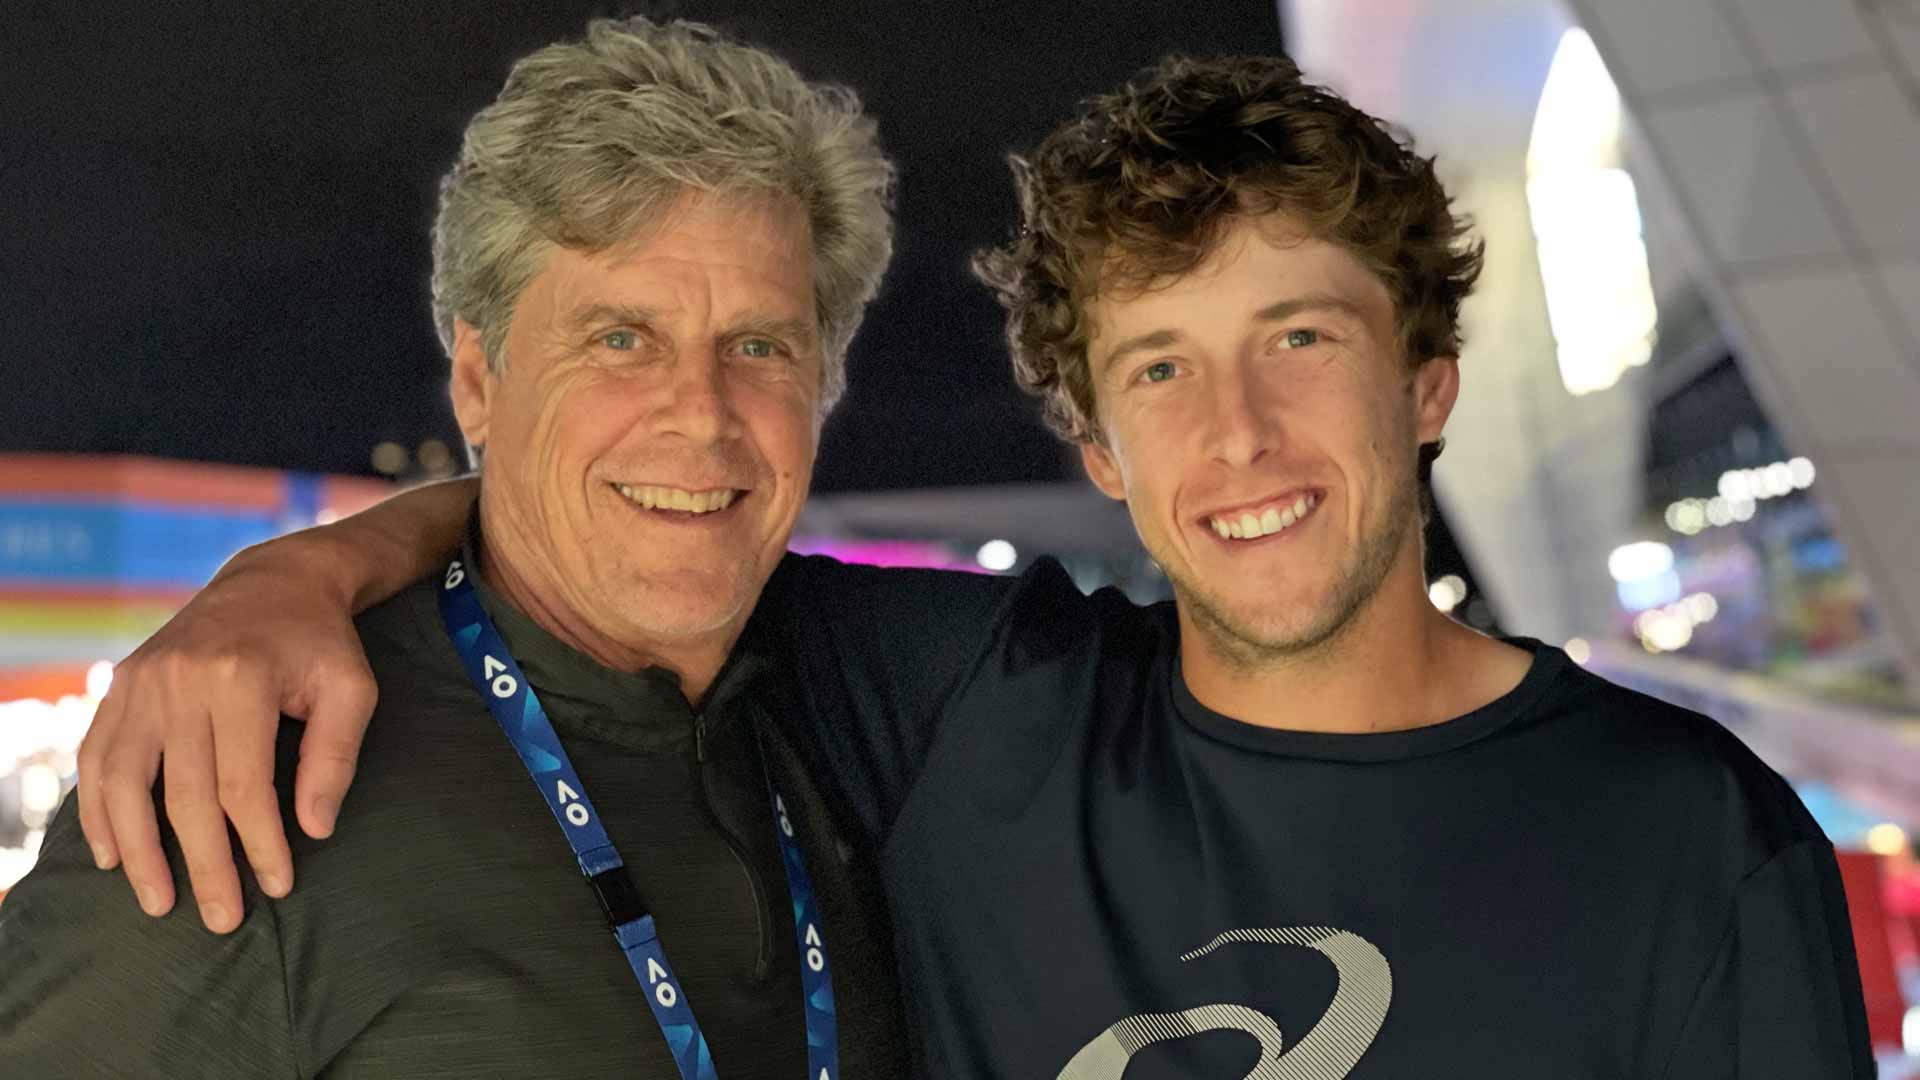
653	608
1247	648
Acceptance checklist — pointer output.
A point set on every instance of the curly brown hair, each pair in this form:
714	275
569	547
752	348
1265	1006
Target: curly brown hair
1141	184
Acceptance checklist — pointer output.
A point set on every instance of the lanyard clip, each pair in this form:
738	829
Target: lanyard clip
618	897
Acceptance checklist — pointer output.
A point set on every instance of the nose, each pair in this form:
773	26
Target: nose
700	408
1242	424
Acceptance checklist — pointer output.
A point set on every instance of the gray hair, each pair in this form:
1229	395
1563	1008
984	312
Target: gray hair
588	139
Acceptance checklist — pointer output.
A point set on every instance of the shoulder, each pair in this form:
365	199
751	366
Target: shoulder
1673	760
1039	611
93	987
1051	642
406	645
822	583
405	621
1046	617
816	594
428	739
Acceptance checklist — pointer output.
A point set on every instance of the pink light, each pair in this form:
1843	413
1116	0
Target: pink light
893	553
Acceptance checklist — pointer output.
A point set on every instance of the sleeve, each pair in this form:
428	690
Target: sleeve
1781	1000
90	986
876	654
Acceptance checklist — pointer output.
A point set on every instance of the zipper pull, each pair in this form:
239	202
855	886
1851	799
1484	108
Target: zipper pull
699	738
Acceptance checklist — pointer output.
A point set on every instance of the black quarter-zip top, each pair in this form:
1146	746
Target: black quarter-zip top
757	888
445	930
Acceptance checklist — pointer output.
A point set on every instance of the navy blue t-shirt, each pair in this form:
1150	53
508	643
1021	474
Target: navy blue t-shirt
1093	876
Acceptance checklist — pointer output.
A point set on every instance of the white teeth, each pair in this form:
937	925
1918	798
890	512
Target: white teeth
1272	520
664	498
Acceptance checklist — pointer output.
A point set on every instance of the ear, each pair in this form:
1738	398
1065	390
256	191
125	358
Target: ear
1103	470
1436	386
473	384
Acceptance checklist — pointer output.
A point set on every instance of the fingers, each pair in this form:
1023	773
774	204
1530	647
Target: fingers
125	783
194	811
95	822
341	701
246	722
208	691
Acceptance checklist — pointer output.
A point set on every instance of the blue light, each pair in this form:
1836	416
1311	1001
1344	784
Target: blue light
1649	592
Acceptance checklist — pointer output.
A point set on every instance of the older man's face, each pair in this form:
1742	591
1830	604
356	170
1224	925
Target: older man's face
651	440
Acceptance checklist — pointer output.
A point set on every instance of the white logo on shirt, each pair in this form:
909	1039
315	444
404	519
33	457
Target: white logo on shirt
1328	1051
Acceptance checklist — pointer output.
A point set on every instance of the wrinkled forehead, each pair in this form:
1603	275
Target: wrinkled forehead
738	247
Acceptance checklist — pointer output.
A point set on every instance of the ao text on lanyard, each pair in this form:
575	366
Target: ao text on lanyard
520	715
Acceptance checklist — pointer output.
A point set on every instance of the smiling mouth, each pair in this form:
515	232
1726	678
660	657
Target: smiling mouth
683	504
1261	520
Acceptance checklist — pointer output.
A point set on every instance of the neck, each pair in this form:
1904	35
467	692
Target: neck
1396	664
514	569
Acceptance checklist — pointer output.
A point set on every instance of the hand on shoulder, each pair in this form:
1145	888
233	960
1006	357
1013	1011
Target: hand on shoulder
203	698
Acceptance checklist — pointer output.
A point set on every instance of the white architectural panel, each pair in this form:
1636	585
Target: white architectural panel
1665	45
1791	33
1864	134
1901	31
1834	350
1901	279
1735	168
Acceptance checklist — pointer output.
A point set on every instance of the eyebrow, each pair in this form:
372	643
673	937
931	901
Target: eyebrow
1295	305
1155	339
793	328
797	330
1277	311
588	316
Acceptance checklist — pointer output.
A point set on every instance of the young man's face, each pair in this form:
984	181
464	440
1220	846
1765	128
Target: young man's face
652	438
1263	426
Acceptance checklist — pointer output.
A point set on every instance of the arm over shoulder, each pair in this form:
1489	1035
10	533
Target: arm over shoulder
877	654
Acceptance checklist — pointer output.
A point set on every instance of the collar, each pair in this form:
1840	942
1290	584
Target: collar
1363	747
643	710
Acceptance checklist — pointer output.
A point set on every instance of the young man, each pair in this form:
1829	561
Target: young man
1296	823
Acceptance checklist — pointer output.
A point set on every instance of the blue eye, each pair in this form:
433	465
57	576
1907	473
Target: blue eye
758	348
621	340
1160	371
1300	339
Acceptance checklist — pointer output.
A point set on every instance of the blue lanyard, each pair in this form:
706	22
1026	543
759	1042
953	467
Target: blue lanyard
513	704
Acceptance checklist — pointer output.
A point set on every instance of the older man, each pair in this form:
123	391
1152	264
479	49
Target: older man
648	262
1296	823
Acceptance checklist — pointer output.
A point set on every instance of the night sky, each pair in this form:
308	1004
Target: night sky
214	217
